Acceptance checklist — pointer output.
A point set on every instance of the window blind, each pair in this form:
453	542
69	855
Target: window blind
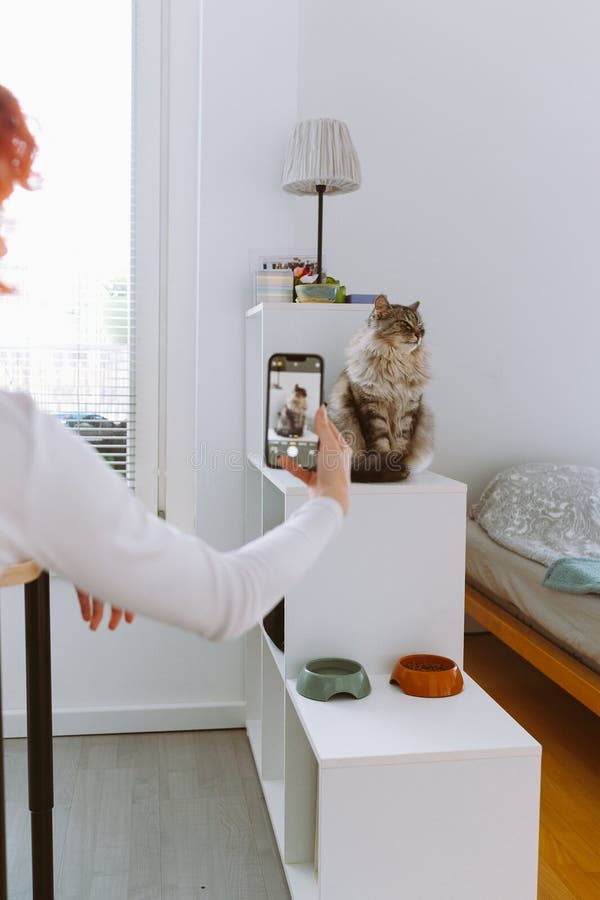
68	335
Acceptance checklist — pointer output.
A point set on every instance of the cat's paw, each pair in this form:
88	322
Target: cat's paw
371	466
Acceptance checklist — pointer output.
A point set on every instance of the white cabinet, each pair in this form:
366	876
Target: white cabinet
390	795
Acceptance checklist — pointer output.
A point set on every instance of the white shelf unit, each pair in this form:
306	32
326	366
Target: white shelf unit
365	795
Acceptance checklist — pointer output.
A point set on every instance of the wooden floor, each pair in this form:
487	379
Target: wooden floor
570	738
149	817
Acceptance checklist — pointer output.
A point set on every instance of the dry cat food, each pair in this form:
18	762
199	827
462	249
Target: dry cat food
426	667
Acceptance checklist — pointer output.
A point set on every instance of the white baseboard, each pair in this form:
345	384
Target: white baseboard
130	719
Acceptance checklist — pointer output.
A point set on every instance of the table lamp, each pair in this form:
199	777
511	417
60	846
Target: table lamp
321	158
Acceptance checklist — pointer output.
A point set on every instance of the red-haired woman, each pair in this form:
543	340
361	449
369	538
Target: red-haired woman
17	150
61	505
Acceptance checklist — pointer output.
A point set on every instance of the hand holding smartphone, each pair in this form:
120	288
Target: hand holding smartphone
294	394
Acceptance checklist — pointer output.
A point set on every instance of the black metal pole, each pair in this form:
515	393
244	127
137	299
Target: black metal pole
320	192
39	734
3	884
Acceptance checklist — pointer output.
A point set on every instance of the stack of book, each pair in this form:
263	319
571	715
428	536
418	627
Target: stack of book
274	286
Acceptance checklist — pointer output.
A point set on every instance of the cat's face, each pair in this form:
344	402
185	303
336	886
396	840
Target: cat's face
299	391
400	325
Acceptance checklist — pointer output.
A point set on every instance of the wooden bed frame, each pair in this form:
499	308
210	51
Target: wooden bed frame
570	674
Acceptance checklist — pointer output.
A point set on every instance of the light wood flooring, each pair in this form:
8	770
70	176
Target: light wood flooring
570	738
149	817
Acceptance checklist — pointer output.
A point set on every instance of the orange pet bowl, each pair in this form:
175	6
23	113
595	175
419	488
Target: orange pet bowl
426	675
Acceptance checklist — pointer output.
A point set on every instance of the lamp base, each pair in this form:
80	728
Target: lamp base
320	191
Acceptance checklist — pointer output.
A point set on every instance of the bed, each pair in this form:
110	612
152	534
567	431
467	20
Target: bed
557	632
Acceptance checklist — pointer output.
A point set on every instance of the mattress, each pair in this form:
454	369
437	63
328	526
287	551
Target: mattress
572	621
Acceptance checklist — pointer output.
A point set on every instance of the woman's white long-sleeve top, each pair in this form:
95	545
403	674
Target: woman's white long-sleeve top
61	505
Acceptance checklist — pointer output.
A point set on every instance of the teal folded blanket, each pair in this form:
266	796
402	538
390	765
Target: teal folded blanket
574	575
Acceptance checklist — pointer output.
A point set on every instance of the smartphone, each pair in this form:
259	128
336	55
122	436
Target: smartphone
294	394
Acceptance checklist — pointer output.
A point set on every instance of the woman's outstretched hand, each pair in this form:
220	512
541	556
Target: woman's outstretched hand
332	477
92	610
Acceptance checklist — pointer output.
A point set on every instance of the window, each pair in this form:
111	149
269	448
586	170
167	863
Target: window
73	336
67	336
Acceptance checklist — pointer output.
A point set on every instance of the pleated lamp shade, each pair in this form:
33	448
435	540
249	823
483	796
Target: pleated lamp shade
321	152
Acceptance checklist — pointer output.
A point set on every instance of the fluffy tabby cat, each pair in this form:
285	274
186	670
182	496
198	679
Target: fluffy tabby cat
377	402
291	418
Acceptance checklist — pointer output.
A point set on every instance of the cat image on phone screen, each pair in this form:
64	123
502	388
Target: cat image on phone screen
292	416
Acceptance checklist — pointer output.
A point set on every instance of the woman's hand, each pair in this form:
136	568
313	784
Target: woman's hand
332	477
92	610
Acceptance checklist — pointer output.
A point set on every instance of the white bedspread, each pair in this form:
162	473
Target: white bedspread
543	511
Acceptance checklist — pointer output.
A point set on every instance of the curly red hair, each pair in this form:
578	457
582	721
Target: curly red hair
17	152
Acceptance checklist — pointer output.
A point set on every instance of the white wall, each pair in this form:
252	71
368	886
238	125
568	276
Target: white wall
476	125
142	677
249	106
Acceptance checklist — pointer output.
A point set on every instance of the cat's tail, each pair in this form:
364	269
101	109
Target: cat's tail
375	467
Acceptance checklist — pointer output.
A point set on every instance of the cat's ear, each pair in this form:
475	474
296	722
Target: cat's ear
381	305
414	306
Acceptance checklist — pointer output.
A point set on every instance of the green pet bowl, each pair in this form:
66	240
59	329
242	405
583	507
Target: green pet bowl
321	679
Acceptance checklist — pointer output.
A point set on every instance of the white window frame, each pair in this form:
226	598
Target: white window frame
166	148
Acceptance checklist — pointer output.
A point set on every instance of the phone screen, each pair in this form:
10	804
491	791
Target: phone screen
294	394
